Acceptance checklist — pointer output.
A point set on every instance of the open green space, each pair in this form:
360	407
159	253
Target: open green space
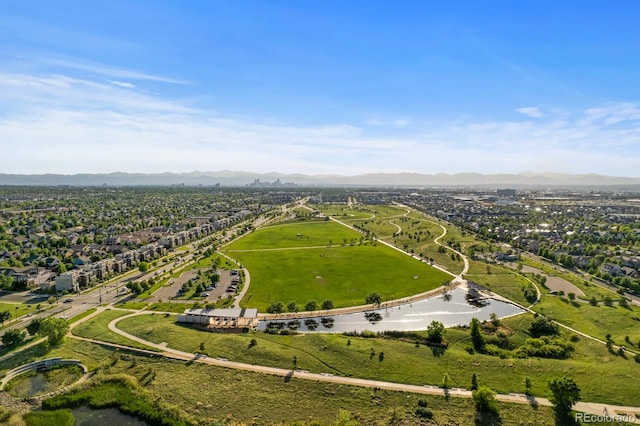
304	234
19	309
598	372
343	274
231	396
412	232
98	328
418	232
219	395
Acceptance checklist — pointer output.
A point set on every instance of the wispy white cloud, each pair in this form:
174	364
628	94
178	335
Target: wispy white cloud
122	84
71	125
110	71
533	112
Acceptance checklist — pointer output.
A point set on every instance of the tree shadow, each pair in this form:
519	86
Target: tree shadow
288	377
488	419
437	350
533	402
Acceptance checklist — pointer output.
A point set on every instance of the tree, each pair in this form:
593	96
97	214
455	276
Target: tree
295	362
542	325
435	332
34	326
13	338
423	411
4	316
474	382
527	386
494	319
487	411
143	267
292	306
275	308
327	304
373	298
445	381
476	337
565	393
311	305
54	329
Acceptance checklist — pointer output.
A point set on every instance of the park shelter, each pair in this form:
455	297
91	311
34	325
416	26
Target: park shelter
221	318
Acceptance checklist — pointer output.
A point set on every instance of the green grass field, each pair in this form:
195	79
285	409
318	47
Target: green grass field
20	309
97	328
219	395
598	372
343	274
299	234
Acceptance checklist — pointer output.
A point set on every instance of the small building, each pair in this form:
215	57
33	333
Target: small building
235	318
68	281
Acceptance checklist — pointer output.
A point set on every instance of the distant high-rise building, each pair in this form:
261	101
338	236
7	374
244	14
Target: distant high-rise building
506	192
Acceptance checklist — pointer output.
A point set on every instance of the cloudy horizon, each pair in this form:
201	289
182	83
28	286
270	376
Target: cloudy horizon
242	93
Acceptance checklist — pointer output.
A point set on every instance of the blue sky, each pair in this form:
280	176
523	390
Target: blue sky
342	87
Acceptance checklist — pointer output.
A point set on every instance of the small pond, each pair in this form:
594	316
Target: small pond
450	309
86	416
36	383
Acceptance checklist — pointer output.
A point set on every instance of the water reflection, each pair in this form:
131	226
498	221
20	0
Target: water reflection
450	309
85	416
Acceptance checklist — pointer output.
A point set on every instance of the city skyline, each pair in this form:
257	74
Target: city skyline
319	88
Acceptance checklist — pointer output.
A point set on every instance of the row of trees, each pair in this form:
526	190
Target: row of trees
53	329
311	305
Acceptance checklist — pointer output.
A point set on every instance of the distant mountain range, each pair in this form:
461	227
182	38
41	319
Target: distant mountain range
235	178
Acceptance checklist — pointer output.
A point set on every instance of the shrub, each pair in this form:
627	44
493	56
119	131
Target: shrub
543	326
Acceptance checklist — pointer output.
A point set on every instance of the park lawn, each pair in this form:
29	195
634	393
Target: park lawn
598	373
346	275
430	251
295	234
597	321
132	305
97	328
218	395
90	354
416	226
20	309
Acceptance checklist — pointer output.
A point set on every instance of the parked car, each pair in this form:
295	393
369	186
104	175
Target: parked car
204	294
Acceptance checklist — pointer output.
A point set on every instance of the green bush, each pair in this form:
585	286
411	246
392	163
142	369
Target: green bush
62	417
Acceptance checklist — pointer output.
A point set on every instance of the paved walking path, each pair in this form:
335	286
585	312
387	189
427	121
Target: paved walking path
585	407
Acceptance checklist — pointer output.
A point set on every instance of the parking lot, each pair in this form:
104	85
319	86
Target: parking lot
170	291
